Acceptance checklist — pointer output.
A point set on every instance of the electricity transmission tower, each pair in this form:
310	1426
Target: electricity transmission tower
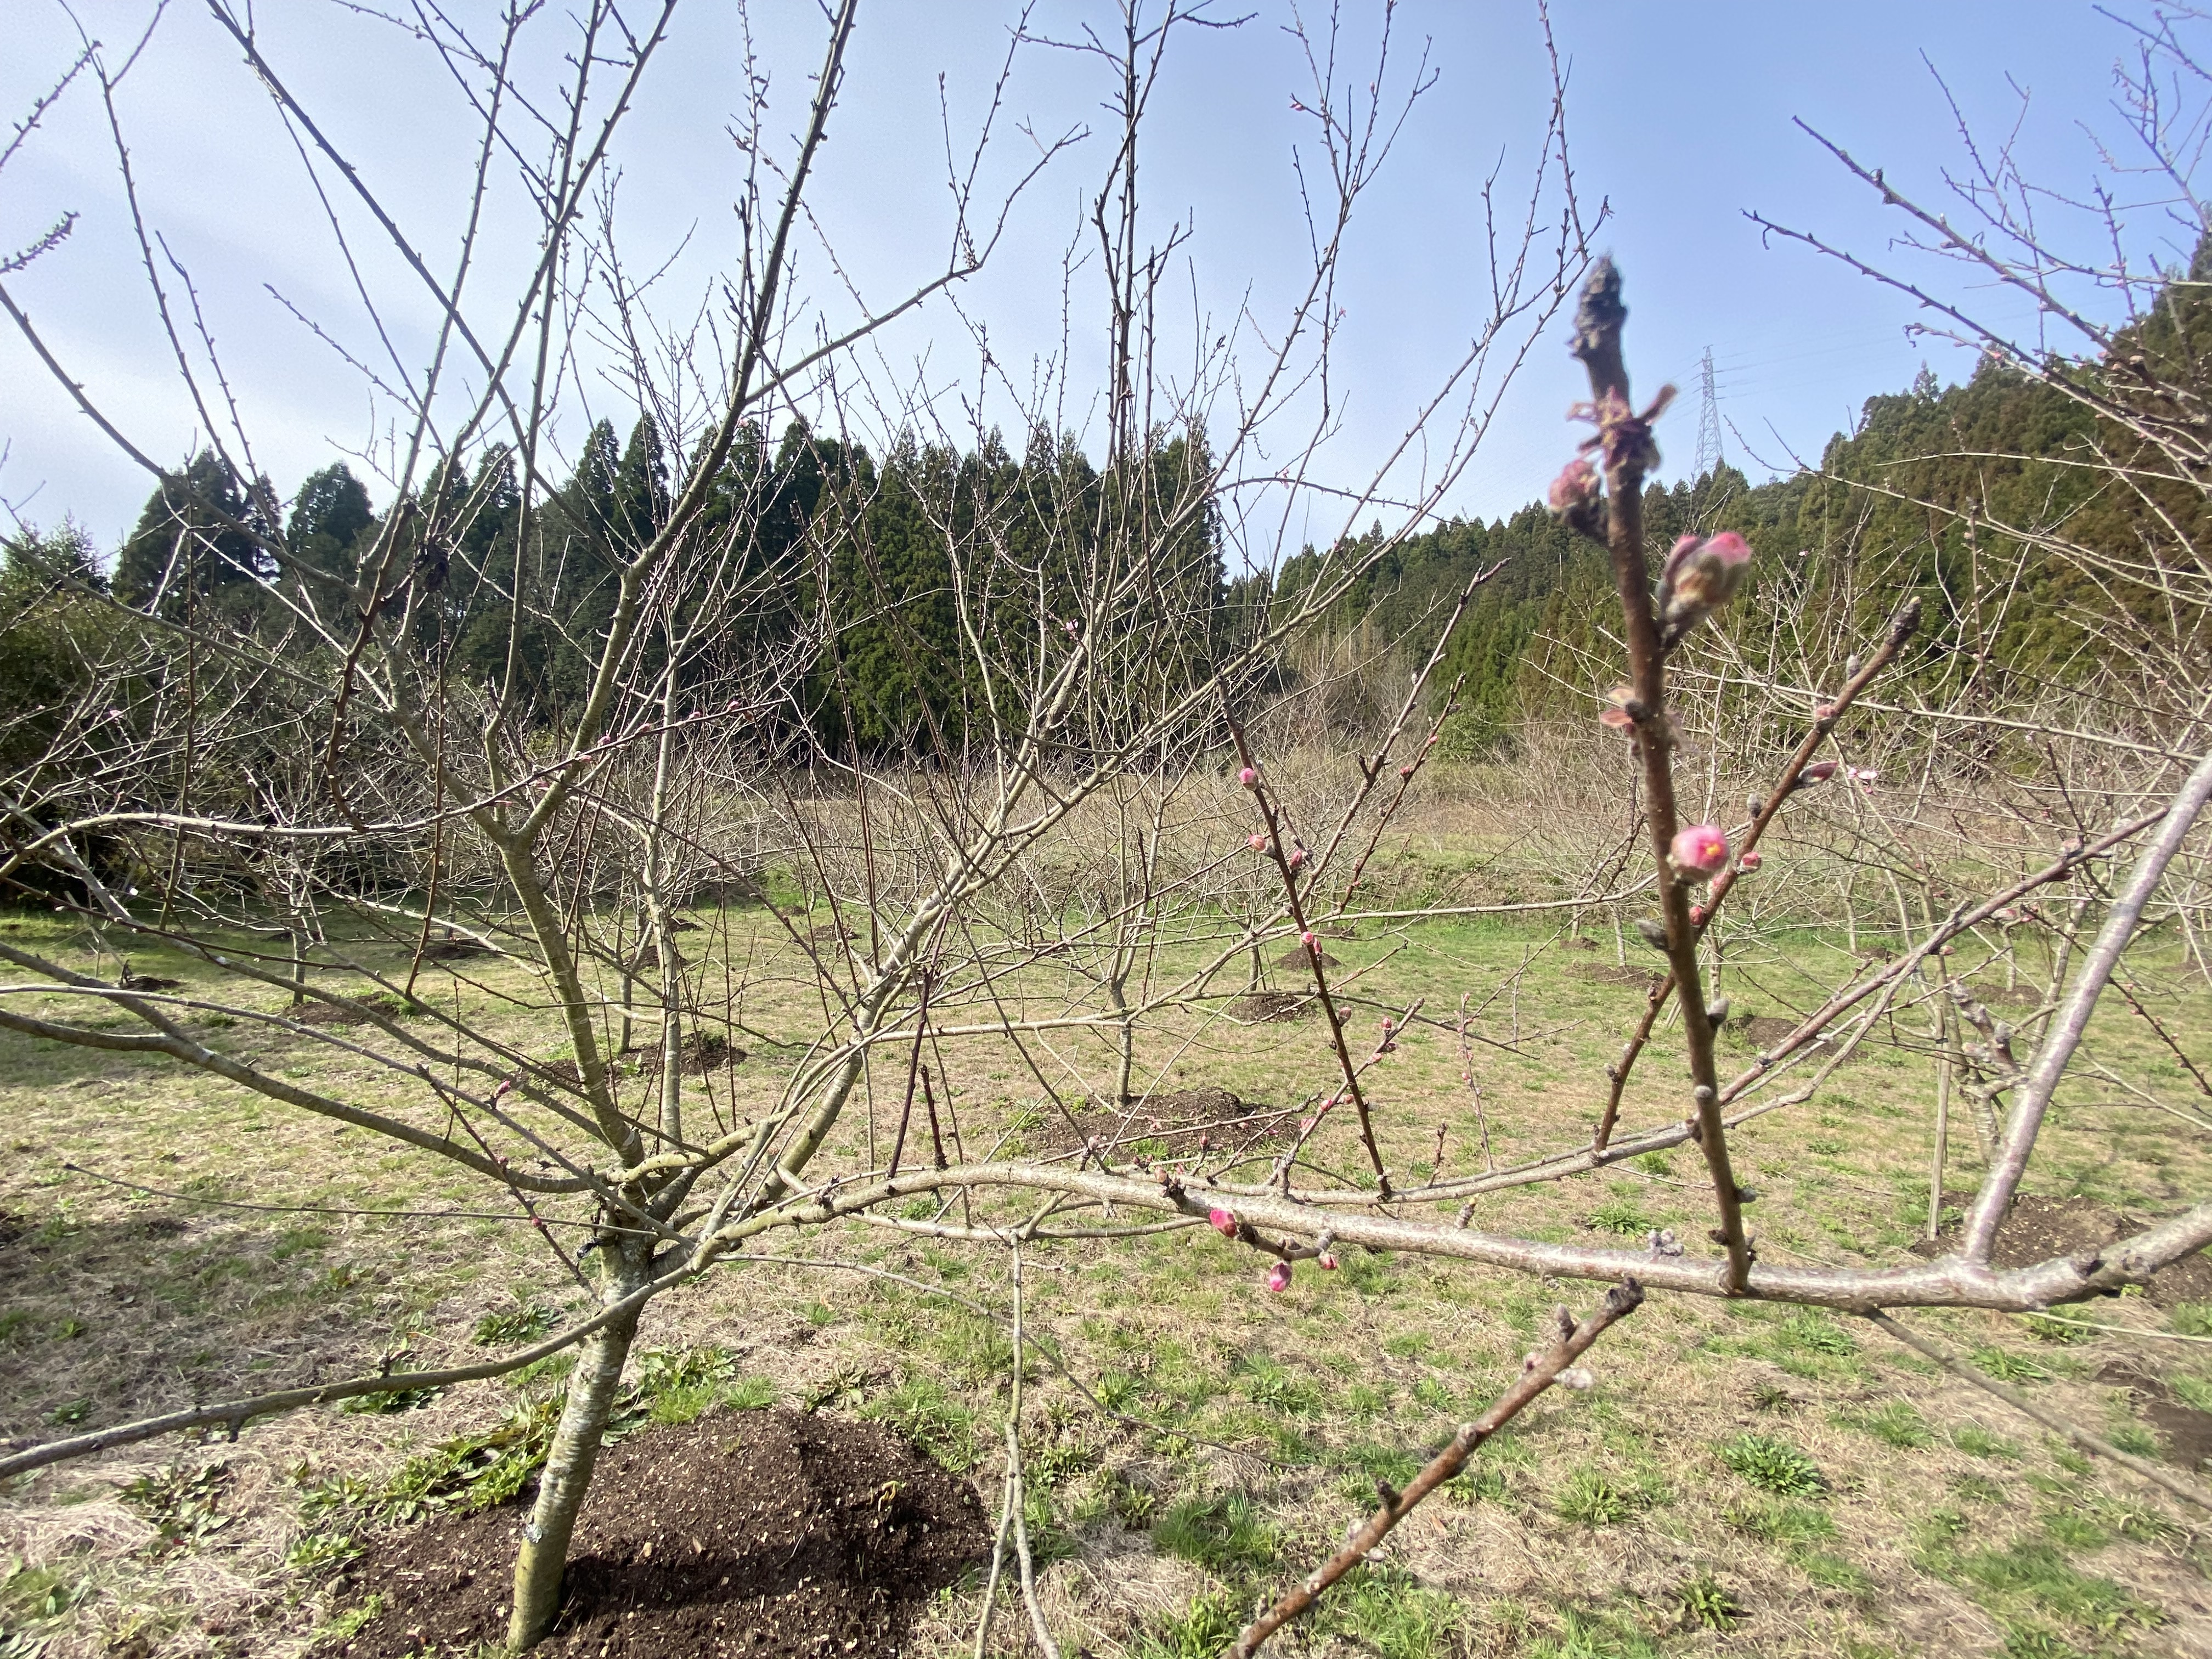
1711	492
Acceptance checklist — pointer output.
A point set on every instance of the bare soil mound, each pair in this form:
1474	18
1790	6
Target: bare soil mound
701	1052
764	1534
1183	1124
2185	1432
1270	1005
1607	973
453	950
322	1013
1298	960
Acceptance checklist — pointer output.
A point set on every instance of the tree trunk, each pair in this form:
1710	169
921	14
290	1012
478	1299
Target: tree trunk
568	1472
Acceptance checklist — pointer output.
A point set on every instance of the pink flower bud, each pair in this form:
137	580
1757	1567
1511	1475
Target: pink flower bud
1698	915
1222	1222
1818	772
1700	574
1312	940
1388	1023
1257	844
1249	778
1279	1276
1699	849
1825	711
1296	857
1432	742
1750	861
1405	771
1576	486
1325	1261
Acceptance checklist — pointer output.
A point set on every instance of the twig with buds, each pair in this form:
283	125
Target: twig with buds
1539	1371
1697	577
1250	778
1795	776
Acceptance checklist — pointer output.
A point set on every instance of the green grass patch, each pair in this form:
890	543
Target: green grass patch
1773	1466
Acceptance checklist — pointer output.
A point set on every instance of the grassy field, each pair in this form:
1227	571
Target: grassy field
1743	1479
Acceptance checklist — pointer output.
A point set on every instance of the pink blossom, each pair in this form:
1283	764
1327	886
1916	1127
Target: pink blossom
1257	844
1249	778
1222	1222
1615	713
1576	486
1279	1276
1750	861
1862	775
1699	849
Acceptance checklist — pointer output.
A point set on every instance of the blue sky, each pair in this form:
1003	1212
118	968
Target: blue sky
1682	116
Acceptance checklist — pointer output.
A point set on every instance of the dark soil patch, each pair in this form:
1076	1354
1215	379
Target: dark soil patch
1188	1123
1298	959
323	1013
2186	1432
1270	1005
1608	973
1763	1032
2036	1229
700	1053
759	1533
453	950
130	982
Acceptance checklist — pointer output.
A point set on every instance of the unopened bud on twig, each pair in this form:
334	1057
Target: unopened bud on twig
1578	1379
1249	778
1577	486
1654	933
1279	1276
1221	1221
1750	861
1700	574
1257	844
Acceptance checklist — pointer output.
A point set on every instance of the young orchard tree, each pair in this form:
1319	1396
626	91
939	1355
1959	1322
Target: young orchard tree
508	729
